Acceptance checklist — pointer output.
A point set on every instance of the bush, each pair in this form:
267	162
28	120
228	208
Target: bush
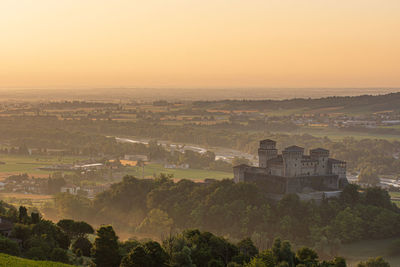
36	253
8	246
377	262
82	244
60	255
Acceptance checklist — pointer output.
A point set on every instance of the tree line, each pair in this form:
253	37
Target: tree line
157	207
68	241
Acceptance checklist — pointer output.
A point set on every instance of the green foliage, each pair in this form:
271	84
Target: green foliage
240	210
75	229
106	248
247	250
377	262
21	232
151	254
83	245
307	256
60	255
8	246
23	215
156	223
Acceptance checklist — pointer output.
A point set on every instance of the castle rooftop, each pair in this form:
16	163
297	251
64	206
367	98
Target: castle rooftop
294	148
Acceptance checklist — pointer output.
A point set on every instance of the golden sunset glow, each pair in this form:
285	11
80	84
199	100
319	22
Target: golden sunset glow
190	43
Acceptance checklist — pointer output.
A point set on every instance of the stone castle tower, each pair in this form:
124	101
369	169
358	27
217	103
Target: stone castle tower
266	151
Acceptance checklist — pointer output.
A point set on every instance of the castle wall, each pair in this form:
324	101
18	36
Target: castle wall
308	168
266	154
269	183
276	170
292	163
305	184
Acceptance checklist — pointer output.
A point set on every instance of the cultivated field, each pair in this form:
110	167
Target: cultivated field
194	174
28	200
29	164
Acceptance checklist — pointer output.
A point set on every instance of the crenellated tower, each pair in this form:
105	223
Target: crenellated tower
266	151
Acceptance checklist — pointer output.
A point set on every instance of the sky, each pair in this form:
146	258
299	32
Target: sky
199	43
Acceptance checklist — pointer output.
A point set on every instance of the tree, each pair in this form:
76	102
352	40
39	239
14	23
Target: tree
136	258
21	232
8	246
307	256
75	229
247	249
23	215
283	253
256	262
35	217
157	222
182	258
156	254
106	249
59	255
377	262
267	257
350	195
83	245
377	197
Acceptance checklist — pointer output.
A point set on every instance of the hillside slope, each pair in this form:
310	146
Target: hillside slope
8	261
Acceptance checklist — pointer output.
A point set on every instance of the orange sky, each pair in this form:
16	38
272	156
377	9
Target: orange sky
199	43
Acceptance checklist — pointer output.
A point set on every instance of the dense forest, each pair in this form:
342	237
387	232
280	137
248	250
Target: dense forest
158	207
68	241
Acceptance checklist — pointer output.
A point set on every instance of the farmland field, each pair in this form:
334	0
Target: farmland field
30	164
395	198
193	174
28	200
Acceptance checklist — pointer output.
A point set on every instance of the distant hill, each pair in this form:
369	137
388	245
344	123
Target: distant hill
8	260
357	104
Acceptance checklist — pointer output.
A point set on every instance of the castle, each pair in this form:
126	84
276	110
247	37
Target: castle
294	172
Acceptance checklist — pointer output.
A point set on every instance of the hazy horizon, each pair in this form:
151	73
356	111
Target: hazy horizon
189	94
213	44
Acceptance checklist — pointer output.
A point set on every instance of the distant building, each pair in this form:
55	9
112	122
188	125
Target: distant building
293	172
136	157
70	188
177	166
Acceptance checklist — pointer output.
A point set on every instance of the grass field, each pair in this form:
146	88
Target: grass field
11	261
395	198
394	194
361	251
28	200
30	164
193	174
